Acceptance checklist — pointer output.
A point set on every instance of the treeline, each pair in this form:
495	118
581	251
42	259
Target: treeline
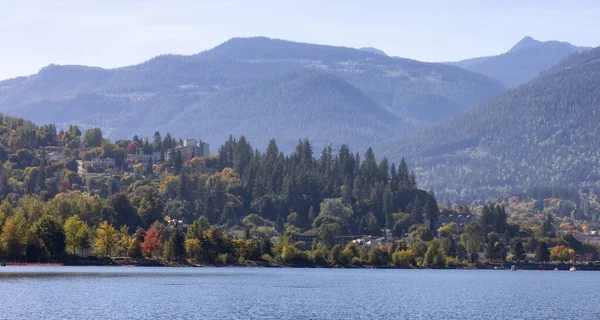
339	193
254	207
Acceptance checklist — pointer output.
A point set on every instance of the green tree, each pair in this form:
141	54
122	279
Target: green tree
422	233
335	207
50	231
176	245
378	256
197	228
471	238
434	256
77	235
124	241
13	237
518	251
92	138
547	226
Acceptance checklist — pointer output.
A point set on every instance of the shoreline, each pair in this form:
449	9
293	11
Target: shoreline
129	262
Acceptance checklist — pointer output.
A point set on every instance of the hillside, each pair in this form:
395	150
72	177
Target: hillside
333	110
523	62
205	93
544	133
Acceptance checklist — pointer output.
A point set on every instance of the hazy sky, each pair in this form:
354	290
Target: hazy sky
112	33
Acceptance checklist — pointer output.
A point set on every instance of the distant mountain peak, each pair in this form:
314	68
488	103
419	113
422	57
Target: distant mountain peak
374	50
523	62
257	48
526	42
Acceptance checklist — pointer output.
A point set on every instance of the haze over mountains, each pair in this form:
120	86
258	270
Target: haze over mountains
259	87
523	62
543	133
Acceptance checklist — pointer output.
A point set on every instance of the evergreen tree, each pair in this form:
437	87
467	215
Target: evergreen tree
431	211
518	251
541	252
176	245
417	210
157	142
547	226
150	167
177	162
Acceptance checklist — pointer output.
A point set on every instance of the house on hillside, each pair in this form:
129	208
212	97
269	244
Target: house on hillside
592	237
107	163
460	219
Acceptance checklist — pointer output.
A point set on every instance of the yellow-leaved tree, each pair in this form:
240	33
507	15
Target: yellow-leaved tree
106	239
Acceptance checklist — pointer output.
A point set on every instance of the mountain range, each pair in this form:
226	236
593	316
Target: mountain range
260	87
523	62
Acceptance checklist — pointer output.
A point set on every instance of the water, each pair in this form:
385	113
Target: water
230	293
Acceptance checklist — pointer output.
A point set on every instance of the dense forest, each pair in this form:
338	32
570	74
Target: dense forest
242	205
541	134
328	94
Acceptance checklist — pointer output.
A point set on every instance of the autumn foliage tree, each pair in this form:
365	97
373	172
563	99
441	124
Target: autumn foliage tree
153	242
562	253
106	239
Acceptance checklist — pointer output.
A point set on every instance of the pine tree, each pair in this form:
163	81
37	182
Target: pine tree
176	245
547	227
518	251
431	211
417	210
150	167
177	162
541	252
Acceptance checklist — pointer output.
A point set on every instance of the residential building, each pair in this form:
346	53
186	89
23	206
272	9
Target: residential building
143	158
53	153
460	219
592	237
103	163
156	158
49	149
55	156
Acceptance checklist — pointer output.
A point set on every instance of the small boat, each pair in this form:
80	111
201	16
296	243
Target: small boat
573	269
555	269
513	268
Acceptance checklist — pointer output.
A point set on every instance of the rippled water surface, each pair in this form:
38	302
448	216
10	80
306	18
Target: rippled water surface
229	293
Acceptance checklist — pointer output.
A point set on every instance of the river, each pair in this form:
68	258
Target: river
246	293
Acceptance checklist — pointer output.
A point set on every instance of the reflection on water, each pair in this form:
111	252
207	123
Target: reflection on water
230	293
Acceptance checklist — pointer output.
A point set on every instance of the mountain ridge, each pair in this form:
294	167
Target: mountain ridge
522	62
138	98
542	133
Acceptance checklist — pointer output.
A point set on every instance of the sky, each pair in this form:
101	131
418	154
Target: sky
113	33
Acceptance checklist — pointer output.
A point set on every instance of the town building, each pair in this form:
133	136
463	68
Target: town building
193	148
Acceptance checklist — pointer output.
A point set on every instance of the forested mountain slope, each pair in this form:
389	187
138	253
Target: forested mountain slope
523	62
275	81
544	133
